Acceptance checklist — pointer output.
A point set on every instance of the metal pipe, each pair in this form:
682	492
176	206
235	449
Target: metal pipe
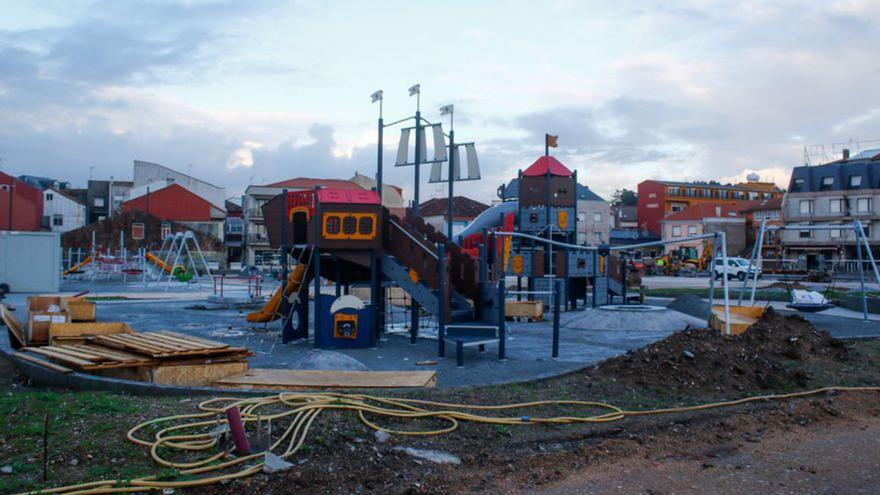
862	275
724	282
858	224
758	258
746	281
558	289
712	276
441	312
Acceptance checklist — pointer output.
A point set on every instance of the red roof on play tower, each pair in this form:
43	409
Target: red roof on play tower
545	163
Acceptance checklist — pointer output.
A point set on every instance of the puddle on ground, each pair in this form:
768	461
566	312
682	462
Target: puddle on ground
229	332
192	326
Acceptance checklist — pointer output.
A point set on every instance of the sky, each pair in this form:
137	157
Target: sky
254	92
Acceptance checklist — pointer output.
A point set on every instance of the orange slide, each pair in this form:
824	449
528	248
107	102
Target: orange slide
156	261
76	268
270	312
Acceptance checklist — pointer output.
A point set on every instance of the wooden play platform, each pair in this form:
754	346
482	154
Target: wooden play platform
741	317
278	379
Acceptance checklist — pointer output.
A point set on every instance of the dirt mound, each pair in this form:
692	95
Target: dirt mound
771	354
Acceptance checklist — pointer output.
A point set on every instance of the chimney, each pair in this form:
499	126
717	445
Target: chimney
846	153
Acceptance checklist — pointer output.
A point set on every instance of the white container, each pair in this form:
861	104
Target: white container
30	261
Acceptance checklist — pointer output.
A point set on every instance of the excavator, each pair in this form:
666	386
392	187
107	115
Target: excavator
271	311
701	263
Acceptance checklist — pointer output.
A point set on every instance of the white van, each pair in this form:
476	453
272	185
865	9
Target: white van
736	268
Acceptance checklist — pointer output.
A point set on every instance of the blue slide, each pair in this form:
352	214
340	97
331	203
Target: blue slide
488	219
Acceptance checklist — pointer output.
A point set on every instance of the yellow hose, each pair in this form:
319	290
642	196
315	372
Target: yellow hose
192	432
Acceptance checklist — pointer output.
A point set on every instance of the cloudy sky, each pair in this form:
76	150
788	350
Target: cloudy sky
254	92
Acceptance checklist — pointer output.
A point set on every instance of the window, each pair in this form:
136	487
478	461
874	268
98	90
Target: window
797	185
4	187
835	205
597	217
806	206
99	202
57	220
855	181
758	215
863	205
836	233
365	226
137	230
805	234
333	225
692	230
866	228
349	225
676	231
827	183
774	214
165	231
582	217
49	197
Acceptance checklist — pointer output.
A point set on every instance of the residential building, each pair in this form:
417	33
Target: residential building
155	176
175	203
769	212
233	232
626	217
704	218
658	199
43	183
594	219
21	205
835	193
61	211
464	211
104	197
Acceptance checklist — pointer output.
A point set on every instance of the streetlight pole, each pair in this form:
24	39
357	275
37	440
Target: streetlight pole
449	109
417	91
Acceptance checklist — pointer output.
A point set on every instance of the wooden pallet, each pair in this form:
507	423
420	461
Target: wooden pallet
16	329
279	379
166	345
90	357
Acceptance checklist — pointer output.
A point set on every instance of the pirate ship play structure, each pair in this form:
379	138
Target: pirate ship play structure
348	238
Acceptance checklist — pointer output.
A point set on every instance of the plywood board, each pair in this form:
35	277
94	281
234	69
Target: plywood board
83	329
310	379
79	309
533	310
16	329
42	362
197	375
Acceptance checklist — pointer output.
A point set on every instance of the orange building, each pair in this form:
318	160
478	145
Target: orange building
658	199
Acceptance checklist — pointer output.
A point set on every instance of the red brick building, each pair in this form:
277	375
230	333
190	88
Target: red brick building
177	204
26	203
658	199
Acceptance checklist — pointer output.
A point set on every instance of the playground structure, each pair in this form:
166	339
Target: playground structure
179	258
347	238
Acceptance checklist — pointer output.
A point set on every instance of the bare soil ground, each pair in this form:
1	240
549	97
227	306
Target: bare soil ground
822	444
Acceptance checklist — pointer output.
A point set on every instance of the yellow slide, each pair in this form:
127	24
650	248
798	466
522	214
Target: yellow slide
156	261
269	312
78	266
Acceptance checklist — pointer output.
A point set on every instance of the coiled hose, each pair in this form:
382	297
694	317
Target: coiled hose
197	432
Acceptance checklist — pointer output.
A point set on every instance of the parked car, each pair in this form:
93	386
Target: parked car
736	268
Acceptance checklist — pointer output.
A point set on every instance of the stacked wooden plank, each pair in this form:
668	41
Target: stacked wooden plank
88	357
170	345
159	357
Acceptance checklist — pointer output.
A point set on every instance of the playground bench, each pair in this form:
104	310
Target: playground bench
470	335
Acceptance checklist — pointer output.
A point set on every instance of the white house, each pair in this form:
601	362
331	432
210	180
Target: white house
62	212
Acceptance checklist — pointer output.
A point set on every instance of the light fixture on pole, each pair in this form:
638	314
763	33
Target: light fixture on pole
378	96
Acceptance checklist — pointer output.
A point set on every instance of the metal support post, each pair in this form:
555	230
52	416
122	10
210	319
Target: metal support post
502	325
752	261
441	298
861	273
712	275
724	283
556	295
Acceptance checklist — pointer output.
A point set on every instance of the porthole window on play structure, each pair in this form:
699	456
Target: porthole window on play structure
332	226
365	226
350	226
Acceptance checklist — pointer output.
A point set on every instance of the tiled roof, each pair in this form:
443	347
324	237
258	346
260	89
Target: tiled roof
310	183
462	206
545	163
760	205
